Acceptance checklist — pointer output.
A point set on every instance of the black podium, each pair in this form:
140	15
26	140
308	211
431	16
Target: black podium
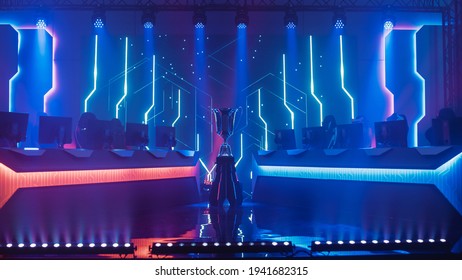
225	186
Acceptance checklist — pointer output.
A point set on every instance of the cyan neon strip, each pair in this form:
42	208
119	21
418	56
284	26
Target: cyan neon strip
422	99
342	77
95	75
242	151
285	91
312	82
10	94
383	79
446	177
209	172
197	142
179	108
53	77
266	125
125	80
153	89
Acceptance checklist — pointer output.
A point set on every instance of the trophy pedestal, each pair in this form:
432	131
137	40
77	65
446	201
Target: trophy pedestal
225	186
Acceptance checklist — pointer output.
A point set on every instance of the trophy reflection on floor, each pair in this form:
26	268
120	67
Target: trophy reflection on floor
225	185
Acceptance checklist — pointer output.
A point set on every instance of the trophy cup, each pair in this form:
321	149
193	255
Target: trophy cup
225	185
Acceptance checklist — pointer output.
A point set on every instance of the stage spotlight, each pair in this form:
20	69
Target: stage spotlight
290	19
388	20
242	18
199	18
99	19
339	19
220	248
148	19
41	23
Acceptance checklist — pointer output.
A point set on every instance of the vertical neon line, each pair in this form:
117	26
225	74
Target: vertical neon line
153	89
95	75
179	108
10	94
242	151
266	125
422	115
388	94
312	82
125	79
197	142
285	91
53	75
342	76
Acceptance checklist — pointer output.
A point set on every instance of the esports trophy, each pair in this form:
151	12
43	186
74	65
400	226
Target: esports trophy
225	185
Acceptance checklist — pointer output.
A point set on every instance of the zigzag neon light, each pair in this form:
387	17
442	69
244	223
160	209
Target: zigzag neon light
10	94
446	177
342	77
242	151
285	91
153	89
422	99
53	75
266	125
312	82
209	172
179	109
125	79
95	75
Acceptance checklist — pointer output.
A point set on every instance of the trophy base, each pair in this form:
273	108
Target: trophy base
225	186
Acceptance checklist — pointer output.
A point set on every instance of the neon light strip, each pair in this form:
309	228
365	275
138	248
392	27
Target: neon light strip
242	151
446	177
179	108
285	91
388	94
15	180
153	89
197	142
209	172
11	97
422	115
53	75
312	82
125	81
342	76
266	125
95	75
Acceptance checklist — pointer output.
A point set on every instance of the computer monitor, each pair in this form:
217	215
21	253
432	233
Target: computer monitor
165	137
13	128
55	130
313	137
285	139
136	135
350	136
391	134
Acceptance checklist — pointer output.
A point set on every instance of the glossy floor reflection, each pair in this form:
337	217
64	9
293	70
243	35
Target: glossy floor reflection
38	216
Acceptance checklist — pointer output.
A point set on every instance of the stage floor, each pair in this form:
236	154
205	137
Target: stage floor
72	215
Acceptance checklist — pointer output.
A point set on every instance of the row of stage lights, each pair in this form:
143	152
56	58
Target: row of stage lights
383	245
241	19
67	248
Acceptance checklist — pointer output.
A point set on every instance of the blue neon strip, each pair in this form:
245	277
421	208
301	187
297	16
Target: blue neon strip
153	89
342	76
53	74
10	93
179	109
285	91
312	82
242	151
446	177
422	99
125	79
95	75
266	125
